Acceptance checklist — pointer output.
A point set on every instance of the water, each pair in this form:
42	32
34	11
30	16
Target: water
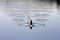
14	17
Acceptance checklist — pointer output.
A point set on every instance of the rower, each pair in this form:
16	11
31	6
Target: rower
30	24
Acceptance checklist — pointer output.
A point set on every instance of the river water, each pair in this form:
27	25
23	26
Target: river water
15	15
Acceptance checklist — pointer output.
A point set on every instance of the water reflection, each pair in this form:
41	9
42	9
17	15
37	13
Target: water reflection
22	12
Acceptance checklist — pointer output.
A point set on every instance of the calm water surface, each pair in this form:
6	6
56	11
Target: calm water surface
14	17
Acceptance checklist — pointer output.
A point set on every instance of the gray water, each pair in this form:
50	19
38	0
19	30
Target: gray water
15	15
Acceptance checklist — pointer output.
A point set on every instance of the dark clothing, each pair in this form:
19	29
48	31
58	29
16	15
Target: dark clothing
31	22
58	2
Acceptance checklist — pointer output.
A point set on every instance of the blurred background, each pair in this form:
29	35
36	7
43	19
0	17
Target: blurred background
15	14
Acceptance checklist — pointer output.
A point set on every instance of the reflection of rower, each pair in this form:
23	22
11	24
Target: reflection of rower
30	24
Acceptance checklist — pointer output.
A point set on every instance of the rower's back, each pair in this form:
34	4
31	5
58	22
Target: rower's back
31	22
